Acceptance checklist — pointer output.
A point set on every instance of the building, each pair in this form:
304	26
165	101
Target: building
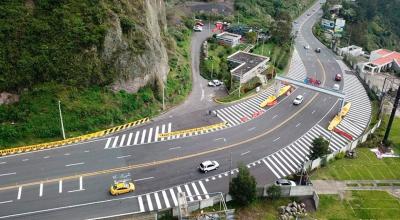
247	65
382	60
352	50
229	39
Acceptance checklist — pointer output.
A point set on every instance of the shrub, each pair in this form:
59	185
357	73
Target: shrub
274	192
340	155
243	187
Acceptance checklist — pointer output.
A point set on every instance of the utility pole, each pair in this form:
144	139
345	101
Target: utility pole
61	119
389	126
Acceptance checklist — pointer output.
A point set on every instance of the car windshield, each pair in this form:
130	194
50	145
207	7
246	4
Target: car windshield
201	165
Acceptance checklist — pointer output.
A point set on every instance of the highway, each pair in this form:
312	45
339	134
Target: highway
73	181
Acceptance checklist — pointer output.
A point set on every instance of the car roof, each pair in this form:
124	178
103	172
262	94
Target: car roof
299	97
207	162
283	181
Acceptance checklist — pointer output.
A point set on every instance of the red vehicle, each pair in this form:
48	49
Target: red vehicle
338	77
312	81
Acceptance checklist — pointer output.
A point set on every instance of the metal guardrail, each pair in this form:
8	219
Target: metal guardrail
188	131
73	140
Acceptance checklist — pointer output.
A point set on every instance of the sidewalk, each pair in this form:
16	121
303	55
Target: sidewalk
336	187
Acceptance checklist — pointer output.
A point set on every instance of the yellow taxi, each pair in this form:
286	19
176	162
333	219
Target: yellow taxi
121	188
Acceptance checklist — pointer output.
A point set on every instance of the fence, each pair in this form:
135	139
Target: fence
350	146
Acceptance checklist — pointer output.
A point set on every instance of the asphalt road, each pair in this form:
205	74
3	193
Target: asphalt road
73	181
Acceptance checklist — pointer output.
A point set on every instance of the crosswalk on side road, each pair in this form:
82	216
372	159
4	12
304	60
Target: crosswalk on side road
144	136
168	198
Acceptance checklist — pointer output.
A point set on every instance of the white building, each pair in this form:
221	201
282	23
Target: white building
229	39
352	50
382	60
248	65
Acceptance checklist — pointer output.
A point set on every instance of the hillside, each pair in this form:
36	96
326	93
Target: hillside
105	60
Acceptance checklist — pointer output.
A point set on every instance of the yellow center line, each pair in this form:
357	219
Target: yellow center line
160	162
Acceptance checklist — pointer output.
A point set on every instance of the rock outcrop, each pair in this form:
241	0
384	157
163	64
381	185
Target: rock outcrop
139	56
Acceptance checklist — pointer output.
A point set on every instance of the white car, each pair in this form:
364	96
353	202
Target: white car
306	47
298	100
336	87
208	165
197	28
285	182
217	82
211	83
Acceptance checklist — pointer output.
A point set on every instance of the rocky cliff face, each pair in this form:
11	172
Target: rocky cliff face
138	54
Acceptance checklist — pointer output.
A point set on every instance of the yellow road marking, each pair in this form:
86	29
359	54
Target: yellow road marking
136	166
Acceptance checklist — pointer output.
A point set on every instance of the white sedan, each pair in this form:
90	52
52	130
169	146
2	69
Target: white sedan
298	100
208	165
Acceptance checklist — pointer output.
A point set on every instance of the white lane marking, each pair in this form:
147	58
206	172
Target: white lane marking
223	139
196	191
143	136
157	200
250	129
81	182
244	153
86	151
204	189
115	142
189	194
149	202
202	94
141	204
147	178
129	139
156	134
136	138
46	157
174	148
169	130
67	154
273	171
122	140
74	164
41	190
7	174
162	130
123	156
298	125
3	162
60	186
313	112
108	143
276	139
171	191
164	194
6	201
19	193
25	160
150	135
274	116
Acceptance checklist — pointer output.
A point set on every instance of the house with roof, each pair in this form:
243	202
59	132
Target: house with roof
382	60
247	65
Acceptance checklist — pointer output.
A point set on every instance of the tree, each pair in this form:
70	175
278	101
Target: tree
274	192
243	187
251	37
319	148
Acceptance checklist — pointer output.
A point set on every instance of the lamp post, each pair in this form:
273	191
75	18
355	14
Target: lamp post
389	126
61	119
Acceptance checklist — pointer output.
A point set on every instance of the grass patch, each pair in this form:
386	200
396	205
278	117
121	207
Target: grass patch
358	205
367	184
365	167
395	134
383	184
352	184
260	209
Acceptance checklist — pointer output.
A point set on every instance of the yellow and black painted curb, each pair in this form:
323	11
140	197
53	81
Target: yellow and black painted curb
190	131
73	140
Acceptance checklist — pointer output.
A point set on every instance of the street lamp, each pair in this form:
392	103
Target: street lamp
61	119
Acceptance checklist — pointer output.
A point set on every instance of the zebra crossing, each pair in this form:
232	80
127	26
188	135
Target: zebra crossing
168	198
244	111
289	159
144	136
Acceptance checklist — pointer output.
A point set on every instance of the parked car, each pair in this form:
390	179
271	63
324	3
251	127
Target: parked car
198	28
298	100
336	87
217	82
318	50
285	182
208	165
306	46
338	77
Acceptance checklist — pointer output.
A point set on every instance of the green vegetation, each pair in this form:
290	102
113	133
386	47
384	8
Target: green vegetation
371	24
358	205
260	209
71	77
319	148
274	192
242	188
365	167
